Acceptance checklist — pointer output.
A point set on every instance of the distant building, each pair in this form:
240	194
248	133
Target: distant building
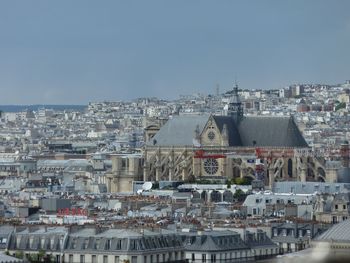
334	244
292	237
126	168
332	208
215	246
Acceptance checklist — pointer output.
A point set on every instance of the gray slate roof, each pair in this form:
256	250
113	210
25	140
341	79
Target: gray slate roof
310	187
270	131
179	131
339	232
233	134
212	241
257	131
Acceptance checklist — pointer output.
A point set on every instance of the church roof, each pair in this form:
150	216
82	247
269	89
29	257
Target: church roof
179	131
270	131
234	139
251	131
339	232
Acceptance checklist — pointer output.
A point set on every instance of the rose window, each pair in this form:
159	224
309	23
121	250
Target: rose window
211	166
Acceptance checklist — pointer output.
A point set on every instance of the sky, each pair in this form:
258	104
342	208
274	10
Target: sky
75	52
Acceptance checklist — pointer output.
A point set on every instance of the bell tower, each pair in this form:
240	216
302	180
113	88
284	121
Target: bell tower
234	106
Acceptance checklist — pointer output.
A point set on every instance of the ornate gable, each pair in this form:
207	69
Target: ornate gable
211	135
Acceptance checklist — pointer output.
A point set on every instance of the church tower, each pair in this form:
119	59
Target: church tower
234	106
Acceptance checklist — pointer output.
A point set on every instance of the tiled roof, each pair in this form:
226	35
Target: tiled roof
251	131
179	131
339	232
270	131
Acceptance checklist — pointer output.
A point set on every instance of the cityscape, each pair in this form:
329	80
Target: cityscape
174	131
240	175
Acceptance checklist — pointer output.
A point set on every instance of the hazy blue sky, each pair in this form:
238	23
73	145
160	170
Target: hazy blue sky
76	51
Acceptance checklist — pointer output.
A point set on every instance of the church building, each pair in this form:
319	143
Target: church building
187	148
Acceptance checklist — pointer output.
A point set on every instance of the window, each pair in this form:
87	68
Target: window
211	166
116	259
108	244
336	207
344	207
86	243
211	135
300	233
133	244
145	259
82	259
308	232
204	258
212	258
275	232
119	244
284	232
70	259
193	257
335	219
105	259
134	259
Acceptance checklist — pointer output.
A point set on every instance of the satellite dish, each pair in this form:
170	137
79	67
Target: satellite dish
147	186
139	191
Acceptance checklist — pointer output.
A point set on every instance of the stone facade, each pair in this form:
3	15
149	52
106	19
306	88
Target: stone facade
191	147
125	169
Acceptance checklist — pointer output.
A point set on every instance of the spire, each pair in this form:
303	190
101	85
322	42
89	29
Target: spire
234	106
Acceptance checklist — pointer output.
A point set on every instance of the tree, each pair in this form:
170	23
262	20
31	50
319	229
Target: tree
229	183
41	254
341	105
19	254
239	195
243	181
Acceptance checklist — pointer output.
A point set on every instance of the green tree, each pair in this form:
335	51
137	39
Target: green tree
243	181
341	105
239	195
41	254
229	183
19	254
155	185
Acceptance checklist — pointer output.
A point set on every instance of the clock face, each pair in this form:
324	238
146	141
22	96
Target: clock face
211	135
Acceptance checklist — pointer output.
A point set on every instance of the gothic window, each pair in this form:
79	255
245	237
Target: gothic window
211	135
211	166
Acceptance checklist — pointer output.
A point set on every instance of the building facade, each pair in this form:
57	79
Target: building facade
208	146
